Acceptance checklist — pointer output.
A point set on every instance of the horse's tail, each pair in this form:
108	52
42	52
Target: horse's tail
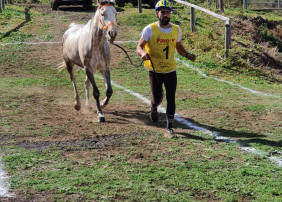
61	66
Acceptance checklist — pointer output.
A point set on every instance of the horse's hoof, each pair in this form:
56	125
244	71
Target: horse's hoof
88	107
101	120
103	104
77	107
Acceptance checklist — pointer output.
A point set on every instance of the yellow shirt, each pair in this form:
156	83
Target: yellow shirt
161	49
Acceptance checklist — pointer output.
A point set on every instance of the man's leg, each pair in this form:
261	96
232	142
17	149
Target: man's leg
170	82
156	91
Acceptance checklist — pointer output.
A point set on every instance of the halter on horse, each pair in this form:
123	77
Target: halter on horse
87	47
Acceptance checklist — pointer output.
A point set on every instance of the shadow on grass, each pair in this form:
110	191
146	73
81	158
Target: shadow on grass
244	138
16	29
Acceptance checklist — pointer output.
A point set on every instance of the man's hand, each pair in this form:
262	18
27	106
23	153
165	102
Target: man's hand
191	57
145	56
140	49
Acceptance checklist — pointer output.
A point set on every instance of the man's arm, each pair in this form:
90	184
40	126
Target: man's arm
181	50
140	49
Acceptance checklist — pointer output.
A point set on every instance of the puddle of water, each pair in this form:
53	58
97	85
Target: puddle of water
4	183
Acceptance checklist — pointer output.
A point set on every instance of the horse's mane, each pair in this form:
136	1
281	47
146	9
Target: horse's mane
76	25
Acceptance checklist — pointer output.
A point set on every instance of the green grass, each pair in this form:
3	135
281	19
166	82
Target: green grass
162	178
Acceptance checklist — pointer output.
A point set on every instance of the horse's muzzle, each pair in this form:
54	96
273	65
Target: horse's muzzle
112	36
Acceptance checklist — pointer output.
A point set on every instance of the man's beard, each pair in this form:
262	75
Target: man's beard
164	21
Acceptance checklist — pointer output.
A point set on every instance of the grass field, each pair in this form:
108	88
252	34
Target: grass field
53	153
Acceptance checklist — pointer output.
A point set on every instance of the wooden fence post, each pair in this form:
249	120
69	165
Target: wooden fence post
140	6
245	4
221	6
192	19
229	33
209	3
279	4
227	37
0	6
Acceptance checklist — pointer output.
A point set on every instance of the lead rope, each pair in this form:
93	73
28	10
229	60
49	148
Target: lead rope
162	93
127	56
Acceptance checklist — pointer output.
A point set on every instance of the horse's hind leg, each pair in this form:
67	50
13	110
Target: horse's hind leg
109	90
96	94
87	85
77	104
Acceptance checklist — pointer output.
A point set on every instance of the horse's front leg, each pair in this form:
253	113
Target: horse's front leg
109	90
77	104
96	95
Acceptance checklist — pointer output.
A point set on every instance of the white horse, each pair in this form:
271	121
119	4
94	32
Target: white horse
87	46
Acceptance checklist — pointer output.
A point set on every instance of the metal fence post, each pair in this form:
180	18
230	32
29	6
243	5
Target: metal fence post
3	4
0	6
245	4
192	19
279	4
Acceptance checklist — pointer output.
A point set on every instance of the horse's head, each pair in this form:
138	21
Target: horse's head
107	18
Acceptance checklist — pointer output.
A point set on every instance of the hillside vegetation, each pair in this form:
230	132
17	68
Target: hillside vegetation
256	47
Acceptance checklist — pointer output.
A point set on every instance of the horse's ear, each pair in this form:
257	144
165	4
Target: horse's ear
98	2
113	1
